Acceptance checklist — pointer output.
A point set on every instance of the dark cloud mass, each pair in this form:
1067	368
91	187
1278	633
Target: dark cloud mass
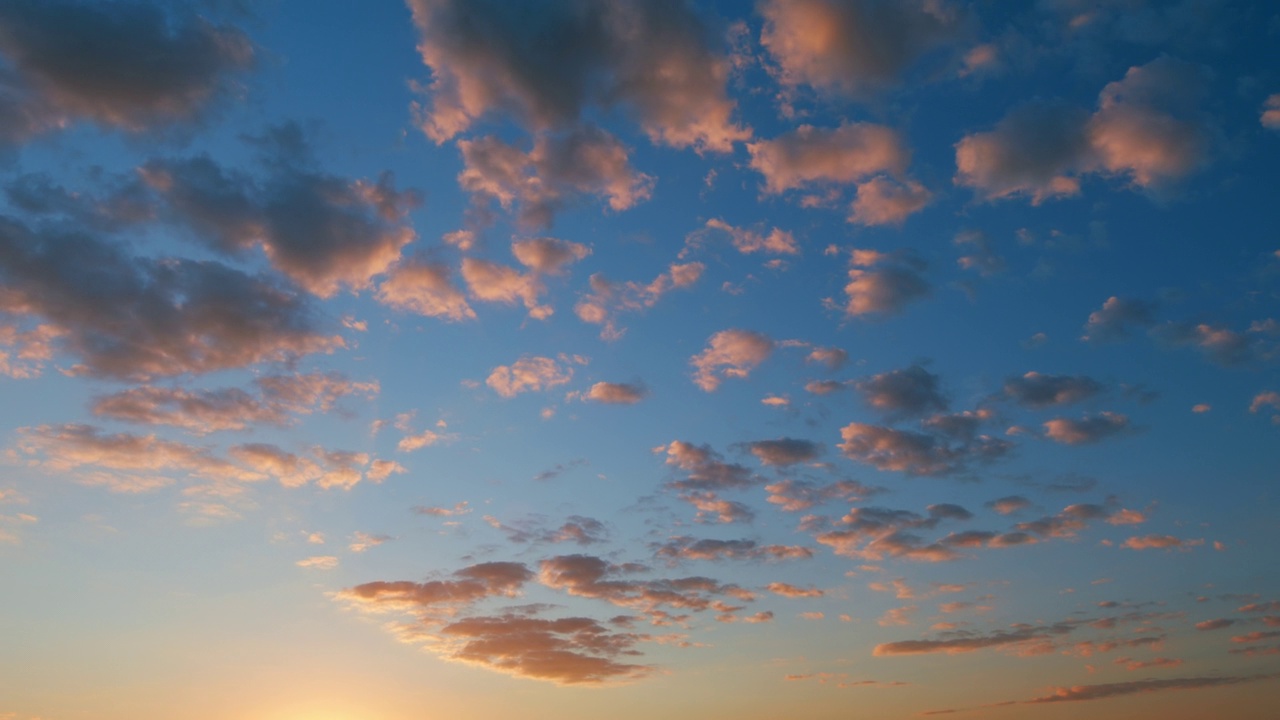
137	317
130	64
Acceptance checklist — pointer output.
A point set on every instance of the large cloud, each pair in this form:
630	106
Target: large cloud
1146	128
548	65
854	48
125	64
324	232
137	318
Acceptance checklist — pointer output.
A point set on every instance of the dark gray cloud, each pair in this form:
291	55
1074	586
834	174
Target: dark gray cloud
1038	390
133	65
784	451
908	392
1117	318
137	317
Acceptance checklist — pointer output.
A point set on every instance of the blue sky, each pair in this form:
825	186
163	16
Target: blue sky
655	357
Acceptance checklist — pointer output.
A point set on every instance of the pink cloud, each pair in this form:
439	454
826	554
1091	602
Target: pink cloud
729	353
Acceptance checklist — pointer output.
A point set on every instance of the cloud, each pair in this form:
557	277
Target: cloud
914	452
1009	504
424	288
616	393
592	577
796	495
318	562
791	591
729	353
705	468
1145	128
687	548
1037	390
745	240
608	298
882	201
468	585
324	232
1270	117
576	529
492	282
1222	346
72	446
908	392
1088	429
1162	542
883	284
528	374
847	154
784	451
557	172
856	49
1078	693
205	411
565	651
714	509
656	62
130	65
362	541
1116	318
458	509
833	358
135	318
972	642
1263	400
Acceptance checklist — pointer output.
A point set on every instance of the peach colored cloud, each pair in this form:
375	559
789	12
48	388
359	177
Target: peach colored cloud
528	374
608	298
729	353
1088	429
424	288
854	48
278	400
882	284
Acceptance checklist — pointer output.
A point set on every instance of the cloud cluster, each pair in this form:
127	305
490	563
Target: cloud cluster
729	353
279	398
883	284
1146	128
528	374
608	298
324	232
558	170
136	318
549	66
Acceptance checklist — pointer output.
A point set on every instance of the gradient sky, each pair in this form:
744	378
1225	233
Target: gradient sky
649	358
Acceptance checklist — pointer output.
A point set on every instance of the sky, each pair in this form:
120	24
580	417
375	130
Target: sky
646	358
